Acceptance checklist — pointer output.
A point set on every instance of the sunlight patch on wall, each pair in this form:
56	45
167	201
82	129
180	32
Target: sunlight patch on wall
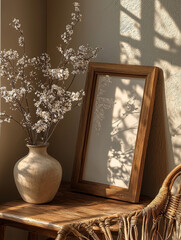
129	27
129	54
130	15
161	44
165	27
155	39
167	41
115	119
134	7
167	38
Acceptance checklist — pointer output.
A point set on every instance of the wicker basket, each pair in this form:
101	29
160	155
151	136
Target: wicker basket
161	219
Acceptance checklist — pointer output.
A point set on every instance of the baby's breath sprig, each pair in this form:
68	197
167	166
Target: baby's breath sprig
52	96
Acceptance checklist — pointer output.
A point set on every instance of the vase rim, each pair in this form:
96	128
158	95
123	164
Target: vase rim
38	145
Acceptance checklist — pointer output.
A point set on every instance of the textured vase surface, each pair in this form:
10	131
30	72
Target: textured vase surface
37	175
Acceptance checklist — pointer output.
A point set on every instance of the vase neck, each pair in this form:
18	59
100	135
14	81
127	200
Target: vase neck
37	149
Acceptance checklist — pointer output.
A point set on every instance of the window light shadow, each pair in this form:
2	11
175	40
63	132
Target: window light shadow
150	34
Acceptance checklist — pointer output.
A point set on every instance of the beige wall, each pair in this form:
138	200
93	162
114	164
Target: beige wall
136	32
32	15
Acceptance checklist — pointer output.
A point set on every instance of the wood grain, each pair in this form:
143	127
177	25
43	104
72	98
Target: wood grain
149	74
67	208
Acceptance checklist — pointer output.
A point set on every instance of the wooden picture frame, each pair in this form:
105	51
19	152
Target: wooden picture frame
103	158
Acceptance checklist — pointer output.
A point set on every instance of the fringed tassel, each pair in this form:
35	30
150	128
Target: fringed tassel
134	225
126	229
77	234
136	232
179	230
103	229
90	231
121	229
143	227
169	230
155	233
178	226
59	237
145	222
133	228
165	227
62	233
107	226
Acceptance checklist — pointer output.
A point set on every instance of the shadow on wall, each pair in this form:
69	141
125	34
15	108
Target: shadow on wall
158	152
150	35
113	130
139	32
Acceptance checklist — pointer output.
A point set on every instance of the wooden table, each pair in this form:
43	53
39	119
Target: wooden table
68	207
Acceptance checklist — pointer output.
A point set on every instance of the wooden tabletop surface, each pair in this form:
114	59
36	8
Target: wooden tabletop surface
68	207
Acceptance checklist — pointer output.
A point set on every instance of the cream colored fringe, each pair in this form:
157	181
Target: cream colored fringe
127	231
160	220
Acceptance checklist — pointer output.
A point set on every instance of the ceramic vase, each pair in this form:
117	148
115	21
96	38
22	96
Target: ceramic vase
37	175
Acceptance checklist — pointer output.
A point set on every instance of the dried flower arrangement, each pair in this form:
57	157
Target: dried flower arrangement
52	95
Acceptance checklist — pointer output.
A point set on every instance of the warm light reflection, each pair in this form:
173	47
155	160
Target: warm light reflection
132	7
165	26
130	15
161	44
168	42
150	33
129	54
113	130
128	27
125	119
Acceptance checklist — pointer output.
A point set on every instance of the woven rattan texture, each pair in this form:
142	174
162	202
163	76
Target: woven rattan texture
160	220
